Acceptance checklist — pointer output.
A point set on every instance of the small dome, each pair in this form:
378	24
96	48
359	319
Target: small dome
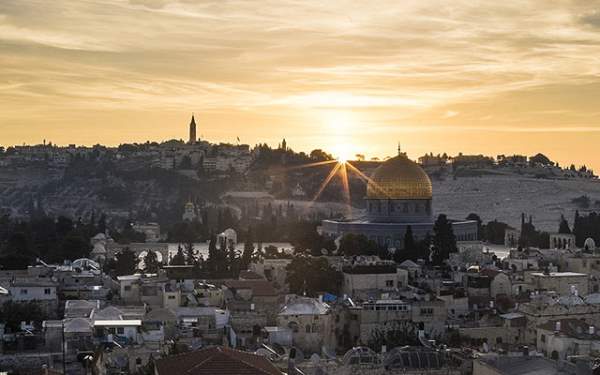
399	178
571	300
360	355
589	244
593	299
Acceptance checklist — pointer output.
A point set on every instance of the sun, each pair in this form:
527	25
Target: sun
343	152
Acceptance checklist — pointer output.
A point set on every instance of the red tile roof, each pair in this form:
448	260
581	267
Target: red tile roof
216	360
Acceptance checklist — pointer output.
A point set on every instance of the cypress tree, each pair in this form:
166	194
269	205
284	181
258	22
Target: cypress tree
444	241
564	226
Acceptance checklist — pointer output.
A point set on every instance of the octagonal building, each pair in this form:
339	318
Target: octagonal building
399	194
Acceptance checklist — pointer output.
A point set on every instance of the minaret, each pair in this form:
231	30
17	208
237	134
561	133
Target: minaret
400	153
192	131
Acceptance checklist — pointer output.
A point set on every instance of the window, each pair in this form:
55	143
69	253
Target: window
120	330
23	291
307	328
47	291
389	283
543	338
171	297
127	288
426	311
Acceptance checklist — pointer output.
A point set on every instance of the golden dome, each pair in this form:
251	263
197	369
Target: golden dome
399	178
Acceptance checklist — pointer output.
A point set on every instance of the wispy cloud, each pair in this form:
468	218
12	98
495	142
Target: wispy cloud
512	66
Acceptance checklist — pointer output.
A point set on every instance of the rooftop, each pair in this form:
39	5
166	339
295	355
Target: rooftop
304	306
216	360
117	323
572	328
260	288
558	274
522	365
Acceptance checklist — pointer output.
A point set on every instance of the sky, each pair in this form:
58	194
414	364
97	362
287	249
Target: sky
482	77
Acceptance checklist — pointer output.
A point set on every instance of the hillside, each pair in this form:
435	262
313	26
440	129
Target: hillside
505	197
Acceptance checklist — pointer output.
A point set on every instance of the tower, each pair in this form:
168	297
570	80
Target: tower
192	131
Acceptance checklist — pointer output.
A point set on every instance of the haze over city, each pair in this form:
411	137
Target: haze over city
487	77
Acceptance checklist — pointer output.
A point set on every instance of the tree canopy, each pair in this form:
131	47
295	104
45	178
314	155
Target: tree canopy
312	275
444	241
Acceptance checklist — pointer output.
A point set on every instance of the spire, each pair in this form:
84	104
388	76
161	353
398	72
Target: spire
400	153
192	130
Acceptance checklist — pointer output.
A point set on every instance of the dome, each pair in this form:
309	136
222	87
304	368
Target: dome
399	178
589	244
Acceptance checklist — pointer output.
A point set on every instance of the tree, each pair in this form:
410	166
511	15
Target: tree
190	256
563	227
178	259
582	201
211	260
17	254
102	224
126	262
409	250
63	226
444	241
357	244
13	313
540	159
128	235
312	275
494	231
320	155
151	263
74	246
304	237
233	261
248	250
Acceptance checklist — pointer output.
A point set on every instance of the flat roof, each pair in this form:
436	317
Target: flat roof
558	274
117	323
